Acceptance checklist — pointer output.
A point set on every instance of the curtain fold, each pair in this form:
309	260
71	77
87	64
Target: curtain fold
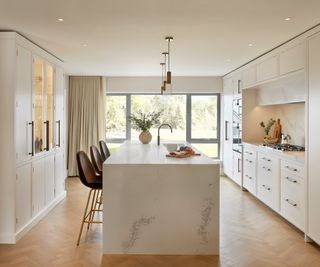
86	117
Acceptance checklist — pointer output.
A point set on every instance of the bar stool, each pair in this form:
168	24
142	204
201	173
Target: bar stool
96	159
91	179
105	152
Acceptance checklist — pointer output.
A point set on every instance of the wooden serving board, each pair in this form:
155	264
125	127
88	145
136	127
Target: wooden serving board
182	156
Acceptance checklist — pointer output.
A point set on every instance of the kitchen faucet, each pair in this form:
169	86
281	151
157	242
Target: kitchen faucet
164	124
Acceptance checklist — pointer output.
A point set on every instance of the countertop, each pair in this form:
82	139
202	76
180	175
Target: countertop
297	156
133	152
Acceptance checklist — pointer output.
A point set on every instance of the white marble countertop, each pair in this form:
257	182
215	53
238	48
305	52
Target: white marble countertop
133	152
298	156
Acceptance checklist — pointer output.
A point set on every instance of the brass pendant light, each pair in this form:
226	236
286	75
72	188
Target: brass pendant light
169	39
166	71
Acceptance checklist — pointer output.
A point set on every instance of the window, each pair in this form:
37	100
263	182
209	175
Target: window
195	118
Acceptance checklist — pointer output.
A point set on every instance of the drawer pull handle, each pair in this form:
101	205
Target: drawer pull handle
291	169
249	153
267	188
267	169
291	180
250	161
291	202
264	158
249	177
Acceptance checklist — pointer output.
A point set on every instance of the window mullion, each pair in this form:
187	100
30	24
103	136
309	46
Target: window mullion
128	113
188	117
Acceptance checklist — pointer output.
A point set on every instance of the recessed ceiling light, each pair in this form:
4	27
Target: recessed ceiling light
250	45
60	19
84	45
228	60
288	18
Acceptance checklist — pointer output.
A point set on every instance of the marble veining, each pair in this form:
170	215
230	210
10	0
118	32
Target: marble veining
205	220
136	231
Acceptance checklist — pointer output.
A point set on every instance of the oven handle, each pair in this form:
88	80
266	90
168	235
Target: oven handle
226	138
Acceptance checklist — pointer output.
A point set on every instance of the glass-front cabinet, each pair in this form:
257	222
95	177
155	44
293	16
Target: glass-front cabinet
50	106
43	106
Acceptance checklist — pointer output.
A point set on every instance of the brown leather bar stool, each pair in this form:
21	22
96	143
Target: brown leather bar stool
91	179
96	158
105	152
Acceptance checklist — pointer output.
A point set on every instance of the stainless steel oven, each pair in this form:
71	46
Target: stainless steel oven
237	124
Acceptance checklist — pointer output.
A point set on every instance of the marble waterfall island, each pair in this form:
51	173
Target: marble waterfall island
158	205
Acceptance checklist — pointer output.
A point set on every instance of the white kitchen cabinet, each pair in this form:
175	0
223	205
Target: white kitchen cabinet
293	58
23	104
249	77
49	178
313	229
237	168
250	170
27	96
268	186
292	193
268	69
23	196
38	186
227	141
59	169
237	84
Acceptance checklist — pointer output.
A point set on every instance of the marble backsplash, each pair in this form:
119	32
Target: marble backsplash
292	117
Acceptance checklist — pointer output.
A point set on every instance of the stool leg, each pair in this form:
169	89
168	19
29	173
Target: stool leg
84	217
92	207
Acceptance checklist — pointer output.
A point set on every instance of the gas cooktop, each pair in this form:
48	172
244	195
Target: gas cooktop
284	147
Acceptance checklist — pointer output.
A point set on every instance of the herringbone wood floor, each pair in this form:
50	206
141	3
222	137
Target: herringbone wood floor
251	236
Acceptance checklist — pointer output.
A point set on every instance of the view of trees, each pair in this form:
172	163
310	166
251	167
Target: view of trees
204	117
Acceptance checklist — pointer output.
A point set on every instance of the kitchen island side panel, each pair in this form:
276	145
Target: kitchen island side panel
161	209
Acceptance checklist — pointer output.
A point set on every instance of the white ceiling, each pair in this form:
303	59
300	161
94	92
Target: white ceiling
126	37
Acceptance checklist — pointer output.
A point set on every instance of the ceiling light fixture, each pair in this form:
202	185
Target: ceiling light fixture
60	19
166	71
288	18
250	45
84	45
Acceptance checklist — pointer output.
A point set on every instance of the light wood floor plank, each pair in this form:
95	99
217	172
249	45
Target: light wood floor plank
251	236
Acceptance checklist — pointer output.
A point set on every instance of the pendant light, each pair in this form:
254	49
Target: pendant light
168	39
162	77
165	70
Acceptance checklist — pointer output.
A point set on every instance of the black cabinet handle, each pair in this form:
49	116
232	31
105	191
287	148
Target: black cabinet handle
226	131
59	144
32	138
291	169
47	135
239	160
291	180
239	90
291	202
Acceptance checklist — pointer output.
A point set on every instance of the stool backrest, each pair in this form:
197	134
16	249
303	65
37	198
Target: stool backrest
96	158
105	152
86	170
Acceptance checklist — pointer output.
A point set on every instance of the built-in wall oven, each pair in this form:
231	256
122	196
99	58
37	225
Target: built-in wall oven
237	124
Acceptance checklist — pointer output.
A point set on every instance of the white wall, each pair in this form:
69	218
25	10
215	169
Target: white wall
152	84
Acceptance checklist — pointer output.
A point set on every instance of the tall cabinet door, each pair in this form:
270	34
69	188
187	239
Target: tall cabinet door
227	138
23	105
38	186
23	195
38	105
59	108
49	178
59	167
314	141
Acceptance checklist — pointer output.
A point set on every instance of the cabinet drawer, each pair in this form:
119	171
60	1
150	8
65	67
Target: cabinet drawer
292	209
266	193
249	153
292	168
249	183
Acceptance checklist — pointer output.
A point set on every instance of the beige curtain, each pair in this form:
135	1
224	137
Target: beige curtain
86	117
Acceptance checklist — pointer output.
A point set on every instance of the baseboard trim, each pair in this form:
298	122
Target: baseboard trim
38	217
7	239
